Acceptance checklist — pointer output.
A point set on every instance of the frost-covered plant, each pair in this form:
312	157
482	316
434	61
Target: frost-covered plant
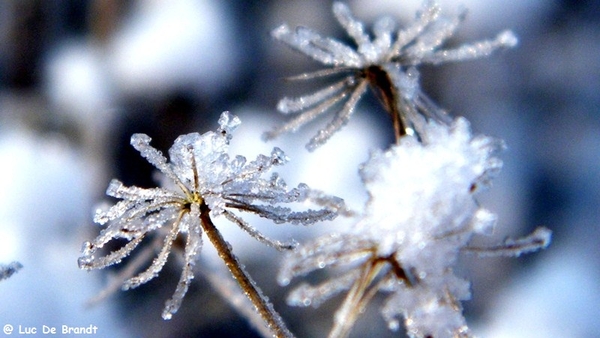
8	270
203	183
421	213
420	216
387	63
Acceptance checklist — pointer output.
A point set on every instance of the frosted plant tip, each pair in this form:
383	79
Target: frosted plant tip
420	216
507	39
204	182
386	61
537	240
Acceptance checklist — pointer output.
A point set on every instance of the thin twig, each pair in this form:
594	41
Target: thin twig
229	290
356	300
263	306
388	95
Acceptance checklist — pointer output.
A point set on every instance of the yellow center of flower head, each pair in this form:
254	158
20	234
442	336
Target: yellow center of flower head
195	198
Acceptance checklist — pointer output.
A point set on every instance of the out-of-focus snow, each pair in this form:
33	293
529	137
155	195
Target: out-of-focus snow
558	298
166	45
489	15
78	82
44	203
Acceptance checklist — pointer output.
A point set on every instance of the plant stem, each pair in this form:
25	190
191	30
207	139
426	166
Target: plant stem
388	95
262	305
356	300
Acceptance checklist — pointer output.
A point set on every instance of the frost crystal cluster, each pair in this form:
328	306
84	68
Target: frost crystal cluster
386	62
203	182
420	216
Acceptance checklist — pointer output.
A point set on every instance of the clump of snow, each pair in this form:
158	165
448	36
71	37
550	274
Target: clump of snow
420	216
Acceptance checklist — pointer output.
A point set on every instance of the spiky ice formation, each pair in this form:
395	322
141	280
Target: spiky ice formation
386	62
201	178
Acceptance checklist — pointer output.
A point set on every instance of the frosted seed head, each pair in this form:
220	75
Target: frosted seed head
199	170
420	42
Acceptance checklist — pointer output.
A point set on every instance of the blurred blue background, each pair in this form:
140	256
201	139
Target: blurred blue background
77	78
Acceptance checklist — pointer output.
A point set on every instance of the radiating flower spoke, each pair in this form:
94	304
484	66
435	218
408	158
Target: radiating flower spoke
281	246
159	262
341	119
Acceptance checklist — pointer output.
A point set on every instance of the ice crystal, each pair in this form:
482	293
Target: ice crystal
386	62
420	216
8	270
202	178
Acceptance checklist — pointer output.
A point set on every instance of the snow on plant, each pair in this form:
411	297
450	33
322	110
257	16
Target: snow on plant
203	183
8	270
420	216
387	63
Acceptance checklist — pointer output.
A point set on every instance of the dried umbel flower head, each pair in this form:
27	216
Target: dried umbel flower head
386	62
420	216
203	182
